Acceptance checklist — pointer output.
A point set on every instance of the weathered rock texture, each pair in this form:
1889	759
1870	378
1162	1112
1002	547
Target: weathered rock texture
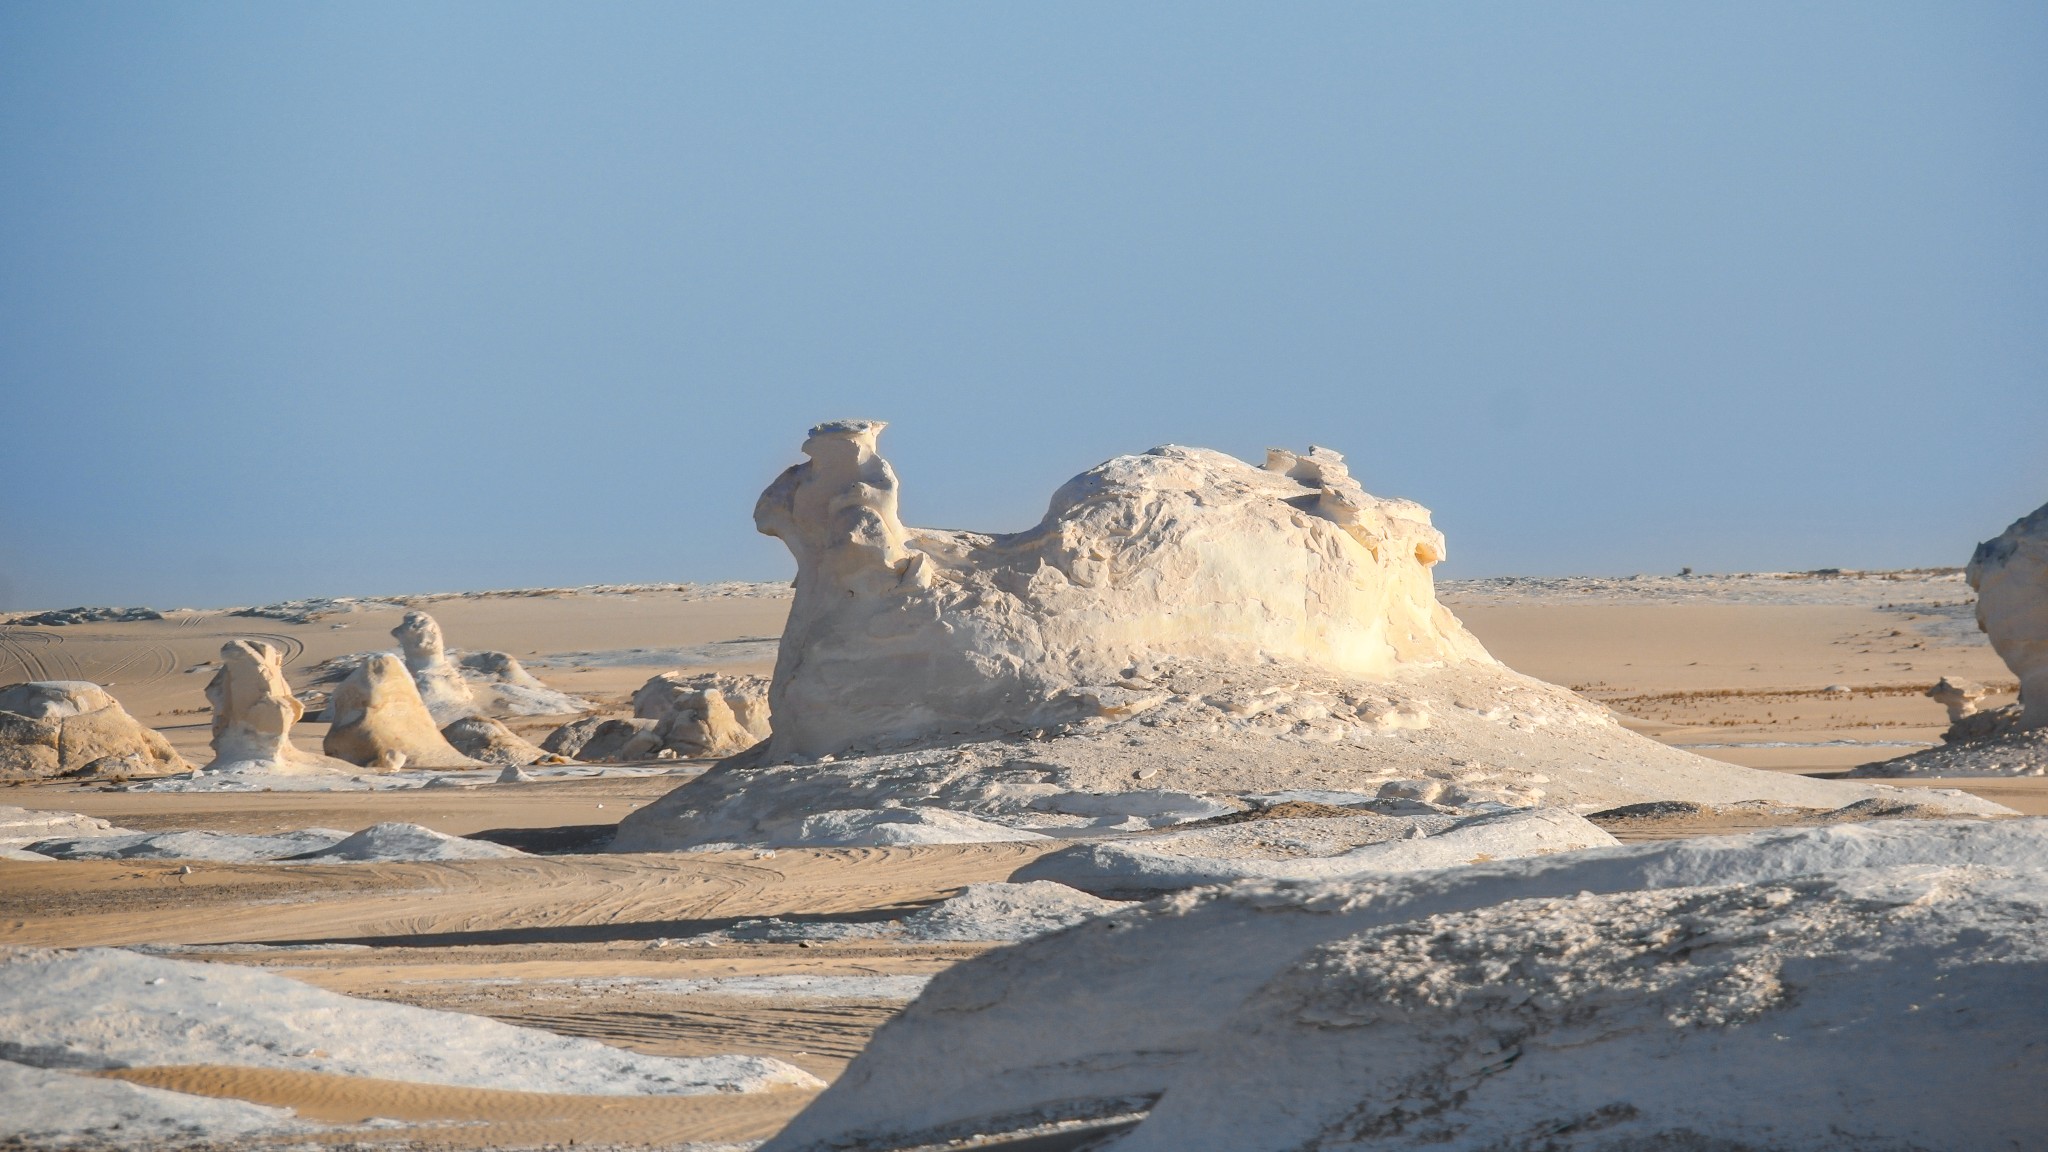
1182	628
901	633
707	715
1840	989
488	741
2010	575
381	722
1958	696
253	714
439	682
60	727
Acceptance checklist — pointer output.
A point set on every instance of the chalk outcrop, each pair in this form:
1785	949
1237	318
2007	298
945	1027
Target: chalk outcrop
1958	696
489	741
2010	574
900	634
381	722
1821	988
502	686
253	714
1180	629
67	727
705	716
438	681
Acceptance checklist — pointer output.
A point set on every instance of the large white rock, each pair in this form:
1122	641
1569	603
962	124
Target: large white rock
905	633
1181	624
707	715
52	727
379	721
1895	966
2010	574
253	714
439	682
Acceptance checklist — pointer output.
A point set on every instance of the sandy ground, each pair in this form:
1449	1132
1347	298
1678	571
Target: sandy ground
570	943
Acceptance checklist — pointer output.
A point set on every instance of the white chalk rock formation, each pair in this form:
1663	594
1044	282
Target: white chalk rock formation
20	827
1845	988
381	722
253	714
1326	848
488	741
902	634
439	682
2010	575
1958	696
59	727
1181	625
502	686
705	716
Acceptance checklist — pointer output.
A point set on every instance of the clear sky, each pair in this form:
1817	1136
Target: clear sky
361	298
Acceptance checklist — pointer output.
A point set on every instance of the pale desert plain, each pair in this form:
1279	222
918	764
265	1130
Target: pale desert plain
916	845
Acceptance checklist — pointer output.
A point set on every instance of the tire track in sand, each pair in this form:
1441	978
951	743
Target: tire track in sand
25	649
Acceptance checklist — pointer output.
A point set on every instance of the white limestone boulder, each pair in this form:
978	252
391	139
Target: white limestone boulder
2010	574
1325	848
1857	986
489	741
705	716
900	633
502	686
253	714
379	721
62	727
438	680
1180	623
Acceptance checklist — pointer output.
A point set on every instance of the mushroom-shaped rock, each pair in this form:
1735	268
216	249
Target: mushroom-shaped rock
253	714
55	727
380	721
2010	574
899	634
439	682
1958	696
707	715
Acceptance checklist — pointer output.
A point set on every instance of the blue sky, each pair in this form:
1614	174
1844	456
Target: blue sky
363	298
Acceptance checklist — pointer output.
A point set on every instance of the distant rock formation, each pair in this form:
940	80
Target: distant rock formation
62	727
705	716
487	740
253	714
439	682
898	633
503	687
1958	696
381	722
2010	574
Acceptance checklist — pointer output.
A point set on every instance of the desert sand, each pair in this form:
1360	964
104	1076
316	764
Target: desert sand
777	953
